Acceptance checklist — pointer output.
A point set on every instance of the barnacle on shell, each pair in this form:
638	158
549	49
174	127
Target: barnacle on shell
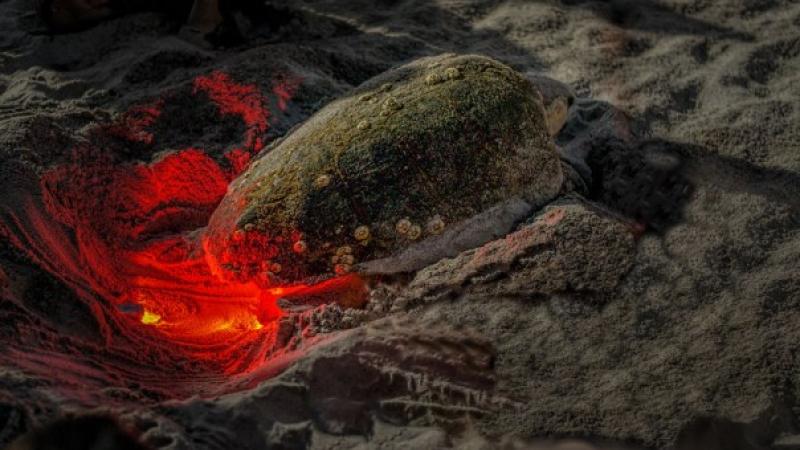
452	73
403	226
435	225
361	233
414	232
433	78
322	181
300	247
391	104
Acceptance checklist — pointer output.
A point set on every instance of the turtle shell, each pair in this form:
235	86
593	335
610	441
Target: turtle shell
406	155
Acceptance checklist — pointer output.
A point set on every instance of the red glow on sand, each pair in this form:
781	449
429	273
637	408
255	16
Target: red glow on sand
135	237
245	101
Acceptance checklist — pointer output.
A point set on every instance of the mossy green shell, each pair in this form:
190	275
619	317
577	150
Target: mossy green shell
441	138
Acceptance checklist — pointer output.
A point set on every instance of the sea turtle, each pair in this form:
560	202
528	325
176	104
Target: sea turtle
421	162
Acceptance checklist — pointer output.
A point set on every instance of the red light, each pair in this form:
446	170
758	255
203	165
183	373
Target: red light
132	235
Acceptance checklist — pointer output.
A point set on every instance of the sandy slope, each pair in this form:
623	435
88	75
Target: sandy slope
703	324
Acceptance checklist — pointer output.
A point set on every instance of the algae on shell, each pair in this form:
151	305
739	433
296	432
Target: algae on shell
440	139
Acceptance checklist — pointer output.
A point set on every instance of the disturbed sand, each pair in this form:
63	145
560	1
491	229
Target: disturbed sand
653	307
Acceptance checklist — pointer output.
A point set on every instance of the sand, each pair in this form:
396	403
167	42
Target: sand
658	308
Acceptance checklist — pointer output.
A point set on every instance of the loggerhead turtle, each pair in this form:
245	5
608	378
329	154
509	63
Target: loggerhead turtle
421	162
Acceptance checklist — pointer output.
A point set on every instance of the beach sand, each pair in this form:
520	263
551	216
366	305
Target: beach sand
663	312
